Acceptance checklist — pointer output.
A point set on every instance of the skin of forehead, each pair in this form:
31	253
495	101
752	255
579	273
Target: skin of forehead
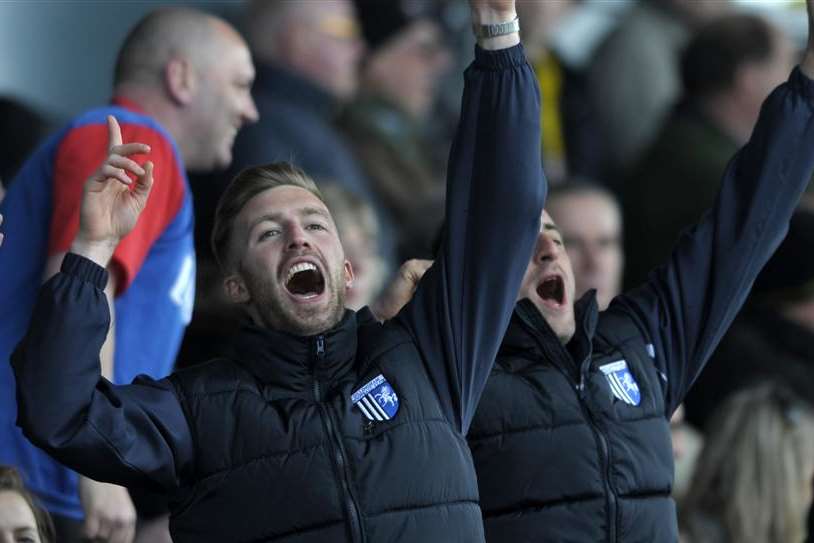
605	217
15	513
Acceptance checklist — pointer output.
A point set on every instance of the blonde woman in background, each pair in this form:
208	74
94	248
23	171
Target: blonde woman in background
22	520
753	480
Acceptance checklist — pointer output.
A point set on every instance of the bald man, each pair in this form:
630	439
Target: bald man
182	86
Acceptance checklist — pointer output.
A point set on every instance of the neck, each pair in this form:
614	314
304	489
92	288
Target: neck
157	106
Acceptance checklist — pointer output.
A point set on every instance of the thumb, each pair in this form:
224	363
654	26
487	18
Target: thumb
416	270
91	527
144	183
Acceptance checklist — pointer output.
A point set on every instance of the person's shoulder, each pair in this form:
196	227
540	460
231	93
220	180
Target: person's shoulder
375	339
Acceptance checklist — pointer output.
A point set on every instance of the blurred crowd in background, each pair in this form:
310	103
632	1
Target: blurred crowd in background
644	104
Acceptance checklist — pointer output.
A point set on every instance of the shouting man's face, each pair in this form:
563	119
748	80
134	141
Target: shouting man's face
292	272
549	281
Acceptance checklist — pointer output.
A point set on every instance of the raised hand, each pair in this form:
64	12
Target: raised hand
492	11
485	12
400	290
112	201
110	516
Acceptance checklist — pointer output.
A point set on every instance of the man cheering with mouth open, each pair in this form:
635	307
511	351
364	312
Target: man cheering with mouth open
325	426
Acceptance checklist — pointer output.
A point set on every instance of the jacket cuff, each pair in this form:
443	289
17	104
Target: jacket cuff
84	269
802	84
500	58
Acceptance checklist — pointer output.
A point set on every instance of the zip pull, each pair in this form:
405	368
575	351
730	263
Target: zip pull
320	347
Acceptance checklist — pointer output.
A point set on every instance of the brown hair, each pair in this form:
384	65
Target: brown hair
10	480
753	477
245	186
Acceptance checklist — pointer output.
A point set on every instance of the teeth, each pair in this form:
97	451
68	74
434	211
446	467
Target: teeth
297	268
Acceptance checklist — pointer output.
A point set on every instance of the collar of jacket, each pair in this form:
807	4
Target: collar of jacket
529	332
279	83
293	362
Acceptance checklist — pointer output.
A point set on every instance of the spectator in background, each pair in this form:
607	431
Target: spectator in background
572	146
21	129
307	56
359	234
405	59
571	438
181	85
728	69
773	337
634	76
590	221
753	482
21	519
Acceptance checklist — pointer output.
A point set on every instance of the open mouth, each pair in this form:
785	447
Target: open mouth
552	291
304	280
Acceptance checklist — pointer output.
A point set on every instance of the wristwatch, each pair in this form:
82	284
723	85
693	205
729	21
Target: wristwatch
497	29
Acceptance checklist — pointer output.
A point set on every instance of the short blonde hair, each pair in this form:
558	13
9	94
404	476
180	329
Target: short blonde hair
245	186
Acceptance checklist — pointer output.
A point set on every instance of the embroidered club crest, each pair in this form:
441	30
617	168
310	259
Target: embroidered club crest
622	383
377	400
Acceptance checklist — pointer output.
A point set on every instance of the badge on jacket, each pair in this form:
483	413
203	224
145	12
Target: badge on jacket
377	400
622	383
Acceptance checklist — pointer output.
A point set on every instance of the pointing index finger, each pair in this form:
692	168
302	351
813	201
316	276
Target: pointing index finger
114	132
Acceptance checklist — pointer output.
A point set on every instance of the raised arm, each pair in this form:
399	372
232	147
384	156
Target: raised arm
688	303
134	434
495	192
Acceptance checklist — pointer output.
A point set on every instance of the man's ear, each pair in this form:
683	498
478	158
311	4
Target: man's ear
180	79
349	277
236	289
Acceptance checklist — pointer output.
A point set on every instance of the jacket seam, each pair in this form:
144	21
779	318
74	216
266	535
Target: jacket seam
255	459
524	430
496	514
395	510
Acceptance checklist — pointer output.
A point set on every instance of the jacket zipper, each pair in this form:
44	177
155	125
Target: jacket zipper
599	435
341	464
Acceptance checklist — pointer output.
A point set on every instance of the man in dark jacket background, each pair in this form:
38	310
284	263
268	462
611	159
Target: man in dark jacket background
326	426
571	440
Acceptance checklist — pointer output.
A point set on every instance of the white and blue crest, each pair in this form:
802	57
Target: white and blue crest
377	400
622	383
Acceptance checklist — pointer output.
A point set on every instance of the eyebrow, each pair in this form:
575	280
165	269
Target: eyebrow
551	226
303	212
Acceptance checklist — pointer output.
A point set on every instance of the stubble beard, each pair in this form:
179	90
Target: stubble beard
280	313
